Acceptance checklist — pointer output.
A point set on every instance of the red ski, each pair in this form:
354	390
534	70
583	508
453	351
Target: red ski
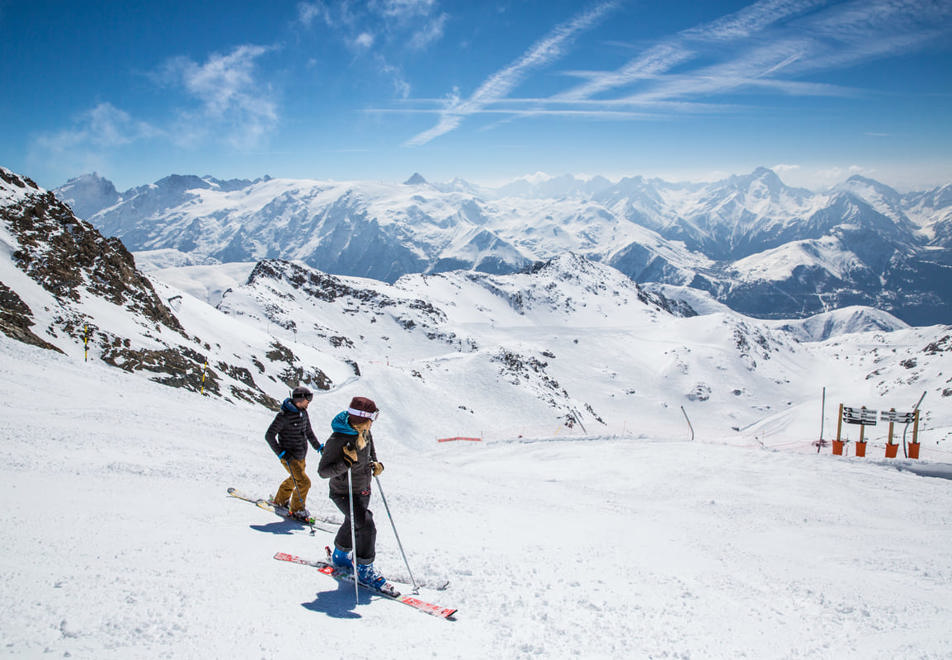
346	576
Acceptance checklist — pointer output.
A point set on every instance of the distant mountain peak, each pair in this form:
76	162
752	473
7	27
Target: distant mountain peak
762	174
872	183
87	194
415	180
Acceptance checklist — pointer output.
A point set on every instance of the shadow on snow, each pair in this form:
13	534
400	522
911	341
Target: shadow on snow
339	603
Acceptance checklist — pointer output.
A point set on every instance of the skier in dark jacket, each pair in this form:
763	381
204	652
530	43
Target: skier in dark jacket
350	448
288	436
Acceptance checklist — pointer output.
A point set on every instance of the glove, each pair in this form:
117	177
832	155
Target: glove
350	454
376	468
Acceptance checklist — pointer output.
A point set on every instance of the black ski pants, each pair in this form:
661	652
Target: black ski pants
364	528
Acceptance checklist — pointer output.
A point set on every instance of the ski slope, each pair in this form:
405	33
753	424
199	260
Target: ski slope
119	540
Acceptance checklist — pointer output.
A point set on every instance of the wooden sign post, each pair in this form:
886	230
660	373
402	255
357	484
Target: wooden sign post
862	416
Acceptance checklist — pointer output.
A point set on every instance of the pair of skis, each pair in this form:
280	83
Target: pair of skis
313	522
339	574
346	576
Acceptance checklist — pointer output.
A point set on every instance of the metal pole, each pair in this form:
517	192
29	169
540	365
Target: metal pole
689	423
353	535
822	416
416	589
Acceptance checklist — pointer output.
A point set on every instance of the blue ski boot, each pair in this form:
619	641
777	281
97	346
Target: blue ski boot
369	577
341	559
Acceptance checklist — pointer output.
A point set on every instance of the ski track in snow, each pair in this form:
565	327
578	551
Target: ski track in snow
119	540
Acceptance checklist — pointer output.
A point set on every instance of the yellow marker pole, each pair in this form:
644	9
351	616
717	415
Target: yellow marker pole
85	343
204	367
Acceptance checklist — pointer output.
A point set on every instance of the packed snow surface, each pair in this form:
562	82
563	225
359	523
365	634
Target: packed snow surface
119	540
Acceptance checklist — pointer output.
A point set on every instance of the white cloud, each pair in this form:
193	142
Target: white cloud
680	49
771	46
103	127
782	168
400	86
230	105
820	177
543	52
308	12
750	20
364	40
233	102
403	9
85	145
379	31
431	32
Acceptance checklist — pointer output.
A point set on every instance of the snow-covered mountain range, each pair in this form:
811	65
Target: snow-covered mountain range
754	243
570	343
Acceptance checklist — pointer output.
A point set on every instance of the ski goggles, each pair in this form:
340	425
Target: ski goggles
363	413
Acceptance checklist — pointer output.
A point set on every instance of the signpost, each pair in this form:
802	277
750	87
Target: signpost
867	417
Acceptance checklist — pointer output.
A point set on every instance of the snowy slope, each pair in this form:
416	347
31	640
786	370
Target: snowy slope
849	320
577	348
687	549
744	542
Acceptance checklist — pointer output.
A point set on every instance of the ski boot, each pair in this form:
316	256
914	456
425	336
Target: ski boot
369	577
302	515
341	559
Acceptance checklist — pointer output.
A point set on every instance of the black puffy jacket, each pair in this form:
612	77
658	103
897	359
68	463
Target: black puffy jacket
334	467
290	432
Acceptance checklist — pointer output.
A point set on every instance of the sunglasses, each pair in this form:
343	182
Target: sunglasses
363	413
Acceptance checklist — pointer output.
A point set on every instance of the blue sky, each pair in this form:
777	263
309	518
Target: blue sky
487	91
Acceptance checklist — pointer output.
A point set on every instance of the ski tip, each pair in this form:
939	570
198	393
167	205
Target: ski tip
231	490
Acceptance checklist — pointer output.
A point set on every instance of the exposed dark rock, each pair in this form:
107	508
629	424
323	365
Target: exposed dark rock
16	318
66	255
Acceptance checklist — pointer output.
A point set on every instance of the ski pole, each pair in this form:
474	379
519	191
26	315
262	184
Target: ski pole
416	589
353	535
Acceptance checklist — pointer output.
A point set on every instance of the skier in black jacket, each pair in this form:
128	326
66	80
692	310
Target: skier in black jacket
288	436
350	448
